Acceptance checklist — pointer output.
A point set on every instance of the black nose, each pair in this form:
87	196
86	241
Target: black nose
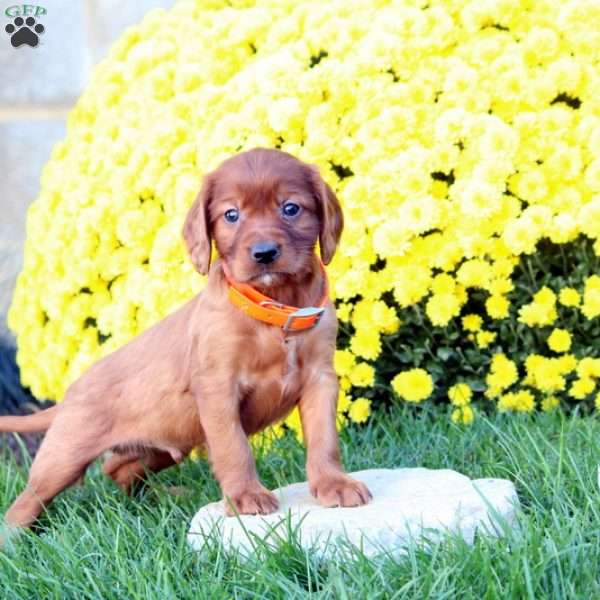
265	253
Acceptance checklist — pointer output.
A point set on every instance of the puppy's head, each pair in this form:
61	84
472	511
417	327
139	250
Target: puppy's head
265	210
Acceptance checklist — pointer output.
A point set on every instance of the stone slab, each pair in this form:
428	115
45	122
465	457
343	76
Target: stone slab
408	506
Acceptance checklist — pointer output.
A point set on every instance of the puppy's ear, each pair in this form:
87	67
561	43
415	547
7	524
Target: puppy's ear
196	229
330	214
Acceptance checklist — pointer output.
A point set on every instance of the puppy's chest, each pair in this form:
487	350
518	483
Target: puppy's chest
271	384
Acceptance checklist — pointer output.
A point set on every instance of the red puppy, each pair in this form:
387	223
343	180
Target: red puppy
231	361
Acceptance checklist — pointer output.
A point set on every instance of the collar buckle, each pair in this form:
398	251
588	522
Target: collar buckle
308	311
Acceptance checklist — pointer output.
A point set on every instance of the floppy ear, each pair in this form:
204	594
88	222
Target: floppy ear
196	230
330	214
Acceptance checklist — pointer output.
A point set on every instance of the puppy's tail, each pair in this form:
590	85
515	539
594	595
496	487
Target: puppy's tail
38	421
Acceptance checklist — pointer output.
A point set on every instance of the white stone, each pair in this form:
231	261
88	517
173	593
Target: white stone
408	505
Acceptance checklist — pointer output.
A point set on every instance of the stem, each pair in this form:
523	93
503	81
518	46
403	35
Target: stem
563	259
531	273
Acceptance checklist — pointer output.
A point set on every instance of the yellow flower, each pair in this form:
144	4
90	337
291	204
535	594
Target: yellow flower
362	375
521	235
198	453
591	297
569	297
420	214
345	384
344	362
472	322
522	401
344	311
463	414
411	284
541	311
582	387
474	273
549	403
503	373
390	236
588	367
366	344
414	385
479	199
368	314
500	286
344	401
547	374
460	394
485	338
341	420
566	363
497	307
442	307
294	422
559	340
443	284
360	410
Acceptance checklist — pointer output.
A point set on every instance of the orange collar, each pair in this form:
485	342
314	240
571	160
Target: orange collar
265	309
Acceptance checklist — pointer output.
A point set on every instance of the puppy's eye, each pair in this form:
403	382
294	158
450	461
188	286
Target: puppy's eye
232	215
290	209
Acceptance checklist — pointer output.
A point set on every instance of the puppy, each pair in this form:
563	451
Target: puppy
258	341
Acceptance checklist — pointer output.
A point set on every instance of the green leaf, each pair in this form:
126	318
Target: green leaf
445	353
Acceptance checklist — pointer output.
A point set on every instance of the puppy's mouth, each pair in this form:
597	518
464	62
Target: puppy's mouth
268	278
262	276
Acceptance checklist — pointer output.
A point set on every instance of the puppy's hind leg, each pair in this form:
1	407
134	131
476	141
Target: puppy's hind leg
67	450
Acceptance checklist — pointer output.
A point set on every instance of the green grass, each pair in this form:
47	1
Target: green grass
96	543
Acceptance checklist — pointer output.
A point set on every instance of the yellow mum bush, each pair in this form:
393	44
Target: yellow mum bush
462	137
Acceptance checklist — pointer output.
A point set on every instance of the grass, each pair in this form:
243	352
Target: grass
96	543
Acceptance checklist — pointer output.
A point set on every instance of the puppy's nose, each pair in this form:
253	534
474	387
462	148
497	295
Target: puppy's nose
265	253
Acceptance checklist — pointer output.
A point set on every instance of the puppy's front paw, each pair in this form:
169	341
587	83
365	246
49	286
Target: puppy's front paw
255	500
340	490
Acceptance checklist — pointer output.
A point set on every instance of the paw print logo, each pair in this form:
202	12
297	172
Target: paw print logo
24	31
